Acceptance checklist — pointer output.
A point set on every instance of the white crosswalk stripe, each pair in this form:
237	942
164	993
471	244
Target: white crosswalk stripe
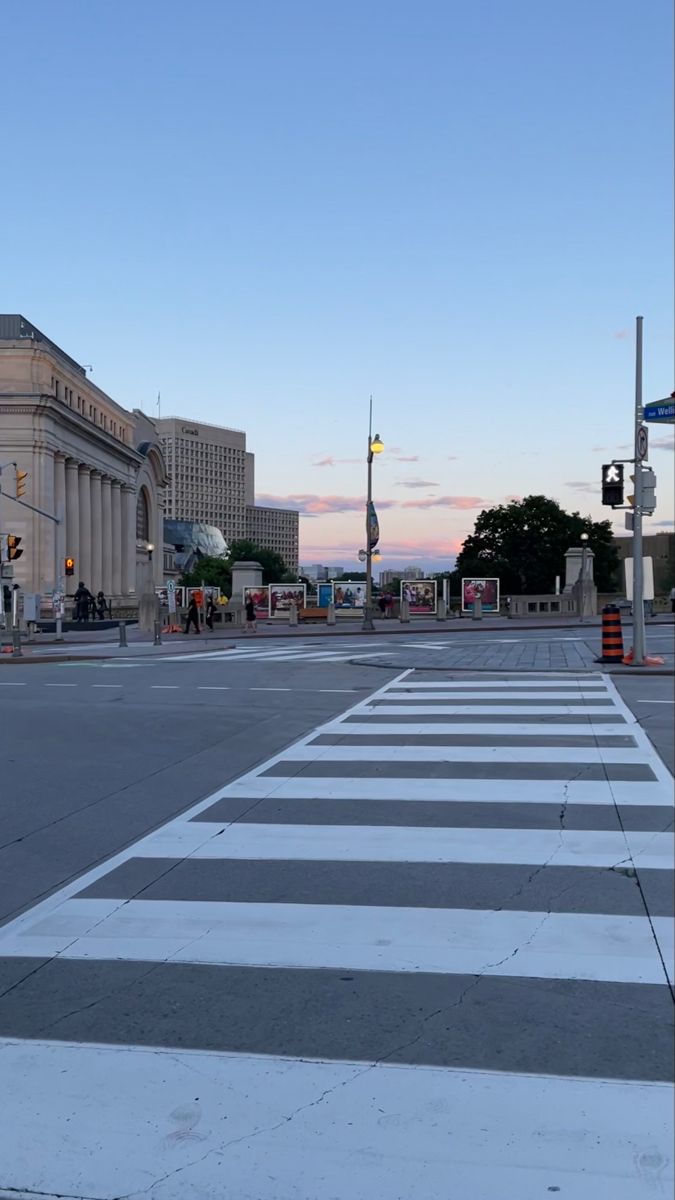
430	941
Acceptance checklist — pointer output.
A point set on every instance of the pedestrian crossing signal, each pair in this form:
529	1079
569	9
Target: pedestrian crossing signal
21	477
13	551
70	566
612	484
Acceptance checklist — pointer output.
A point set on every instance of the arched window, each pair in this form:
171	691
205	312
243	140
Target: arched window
142	517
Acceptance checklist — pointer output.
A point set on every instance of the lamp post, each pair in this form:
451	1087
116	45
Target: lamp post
375	446
582	577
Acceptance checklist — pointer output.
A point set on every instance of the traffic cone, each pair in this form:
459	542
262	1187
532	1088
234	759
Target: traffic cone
612	637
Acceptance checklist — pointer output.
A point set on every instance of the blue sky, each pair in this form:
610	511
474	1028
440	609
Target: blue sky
270	211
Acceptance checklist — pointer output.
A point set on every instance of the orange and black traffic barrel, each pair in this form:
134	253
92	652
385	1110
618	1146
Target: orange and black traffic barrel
612	637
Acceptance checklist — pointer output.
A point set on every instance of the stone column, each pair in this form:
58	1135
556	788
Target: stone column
72	521
60	550
128	540
84	572
116	538
96	533
106	534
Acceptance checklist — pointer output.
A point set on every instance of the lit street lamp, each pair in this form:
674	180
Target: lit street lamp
375	446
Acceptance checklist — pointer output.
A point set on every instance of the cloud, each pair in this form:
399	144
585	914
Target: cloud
582	486
394	553
599	449
309	504
416	483
461	502
329	461
513	498
621	335
663	524
406	458
452	457
662	443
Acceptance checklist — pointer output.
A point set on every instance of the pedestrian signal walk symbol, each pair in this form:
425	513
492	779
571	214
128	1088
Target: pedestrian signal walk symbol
612	484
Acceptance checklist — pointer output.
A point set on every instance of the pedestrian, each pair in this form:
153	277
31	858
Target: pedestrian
389	600
672	599
101	605
250	616
192	615
382	605
82	599
210	612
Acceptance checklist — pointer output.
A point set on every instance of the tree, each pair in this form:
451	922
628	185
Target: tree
273	565
214	572
524	544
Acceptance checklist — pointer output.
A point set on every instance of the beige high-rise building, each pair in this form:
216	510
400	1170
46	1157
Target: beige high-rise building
207	467
212	480
275	529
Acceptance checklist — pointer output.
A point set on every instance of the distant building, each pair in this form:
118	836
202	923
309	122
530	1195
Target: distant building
388	577
95	465
660	547
212	483
276	529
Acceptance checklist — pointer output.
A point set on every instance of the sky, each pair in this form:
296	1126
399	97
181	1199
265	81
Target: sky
270	212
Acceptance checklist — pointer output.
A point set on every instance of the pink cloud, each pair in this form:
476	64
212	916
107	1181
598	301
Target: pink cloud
407	458
329	461
622	335
416	483
309	504
461	502
411	550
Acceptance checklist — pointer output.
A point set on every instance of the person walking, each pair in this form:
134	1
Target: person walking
82	599
210	612
101	605
382	605
672	599
192	615
251	623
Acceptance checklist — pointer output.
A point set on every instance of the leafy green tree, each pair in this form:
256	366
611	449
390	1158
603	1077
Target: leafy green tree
523	543
273	565
214	572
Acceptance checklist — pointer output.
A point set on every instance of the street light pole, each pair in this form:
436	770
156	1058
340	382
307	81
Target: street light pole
638	574
375	446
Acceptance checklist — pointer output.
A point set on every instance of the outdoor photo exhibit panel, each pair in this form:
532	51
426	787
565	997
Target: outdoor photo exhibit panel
487	589
421	596
349	593
261	600
282	595
324	594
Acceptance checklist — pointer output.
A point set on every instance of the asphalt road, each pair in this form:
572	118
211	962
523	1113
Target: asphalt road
393	920
94	755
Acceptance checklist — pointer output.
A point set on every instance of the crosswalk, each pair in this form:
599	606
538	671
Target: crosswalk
309	652
423	953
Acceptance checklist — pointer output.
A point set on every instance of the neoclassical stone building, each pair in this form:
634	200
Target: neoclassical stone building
94	464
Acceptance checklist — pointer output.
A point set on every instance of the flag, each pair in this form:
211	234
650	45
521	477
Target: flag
372	527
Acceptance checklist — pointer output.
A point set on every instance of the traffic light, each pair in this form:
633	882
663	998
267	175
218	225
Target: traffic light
70	566
13	551
21	477
648	491
612	484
